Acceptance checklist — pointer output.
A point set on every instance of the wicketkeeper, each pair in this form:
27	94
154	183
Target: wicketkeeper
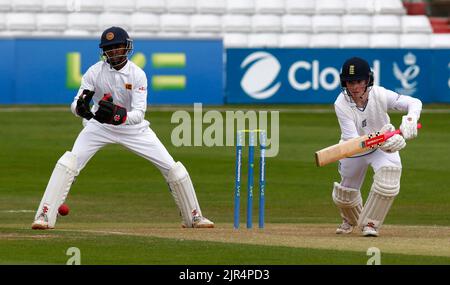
361	109
118	89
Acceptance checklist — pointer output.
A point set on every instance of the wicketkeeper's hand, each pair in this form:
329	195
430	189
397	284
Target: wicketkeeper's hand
409	126
83	109
109	113
394	143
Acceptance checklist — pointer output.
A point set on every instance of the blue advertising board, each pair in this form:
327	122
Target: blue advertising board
312	75
48	71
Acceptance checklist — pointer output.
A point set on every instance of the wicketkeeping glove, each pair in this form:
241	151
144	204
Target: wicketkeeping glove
83	109
109	113
394	143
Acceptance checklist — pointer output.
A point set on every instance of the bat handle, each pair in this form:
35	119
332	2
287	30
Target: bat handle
397	132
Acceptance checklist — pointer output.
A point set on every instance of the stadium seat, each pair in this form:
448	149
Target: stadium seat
416	24
356	23
440	41
240	7
211	6
27	5
144	22
235	40
205	23
57	6
294	40
330	7
384	40
51	22
414	40
76	33
82	22
181	6
389	7
106	20
154	6
119	6
2	21
359	7
307	7
324	40
172	35
269	7
5	5
263	40
266	23
354	40
21	21
326	24
46	33
296	23
90	6
236	23
386	24
177	23
141	34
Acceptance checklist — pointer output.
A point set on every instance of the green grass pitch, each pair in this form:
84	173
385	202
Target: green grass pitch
123	213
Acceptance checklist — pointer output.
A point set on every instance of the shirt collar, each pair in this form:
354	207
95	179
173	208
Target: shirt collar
124	70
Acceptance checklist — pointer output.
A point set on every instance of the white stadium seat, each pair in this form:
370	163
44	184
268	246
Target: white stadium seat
211	6
241	7
178	23
359	6
21	21
90	5
235	40
237	23
46	34
326	24
414	41
356	23
294	40
205	23
181	6
324	40
82	22
416	24
144	22
386	24
120	6
2	21
330	7
76	33
440	41
58	6
389	7
384	40
153	6
5	5
263	40
172	35
27	5
354	40
266	23
51	22
107	20
269	6
296	23
307	7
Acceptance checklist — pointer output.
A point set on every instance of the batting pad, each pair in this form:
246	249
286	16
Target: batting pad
183	193
349	202
58	187
386	185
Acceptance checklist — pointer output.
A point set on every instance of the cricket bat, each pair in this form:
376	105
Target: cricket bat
353	146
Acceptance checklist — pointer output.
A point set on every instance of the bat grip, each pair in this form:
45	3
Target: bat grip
397	132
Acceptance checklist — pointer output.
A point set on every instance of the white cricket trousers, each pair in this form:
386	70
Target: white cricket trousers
353	169
140	139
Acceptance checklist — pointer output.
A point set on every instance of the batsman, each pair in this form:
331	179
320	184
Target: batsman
361	109
118	89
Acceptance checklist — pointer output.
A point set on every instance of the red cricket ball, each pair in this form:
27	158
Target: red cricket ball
63	210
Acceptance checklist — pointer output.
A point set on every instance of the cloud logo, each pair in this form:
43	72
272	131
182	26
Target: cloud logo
259	79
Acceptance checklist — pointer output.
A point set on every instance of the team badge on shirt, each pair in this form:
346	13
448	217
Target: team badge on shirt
128	86
364	123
